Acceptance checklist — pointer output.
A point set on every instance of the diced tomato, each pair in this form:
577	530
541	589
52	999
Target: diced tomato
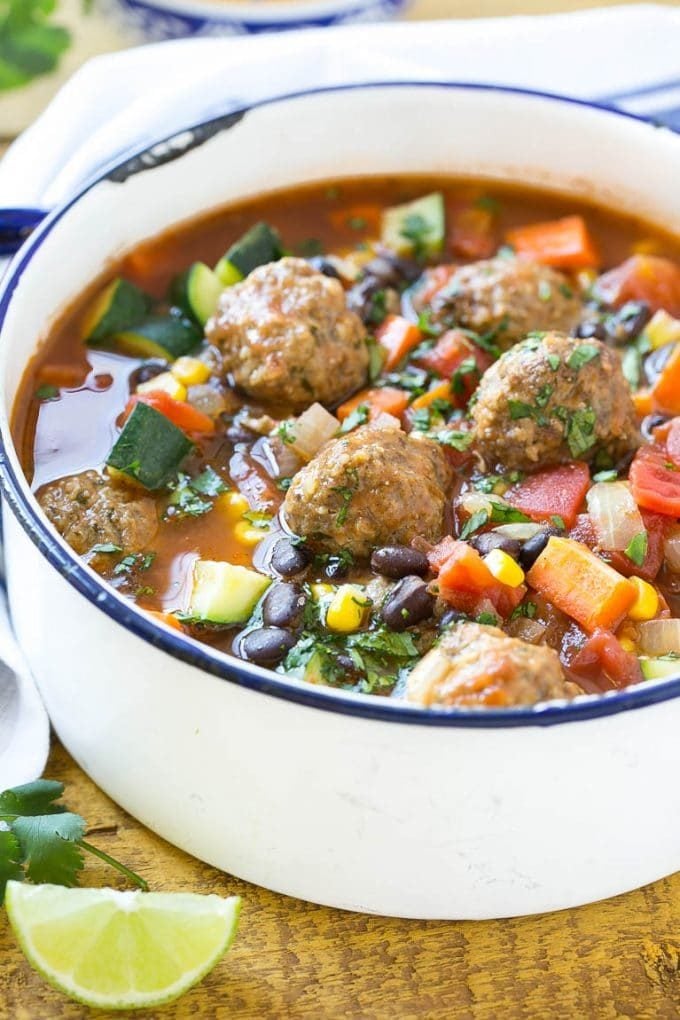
452	350
181	414
558	491
465	580
382	400
564	243
649	278
655	526
398	336
602	653
655	481
472	233
433	281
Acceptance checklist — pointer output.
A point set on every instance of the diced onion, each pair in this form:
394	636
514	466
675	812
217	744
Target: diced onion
615	514
385	421
520	532
659	637
313	428
671	549
472	502
531	631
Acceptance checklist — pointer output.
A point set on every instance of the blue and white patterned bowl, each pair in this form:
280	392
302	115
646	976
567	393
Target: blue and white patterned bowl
156	20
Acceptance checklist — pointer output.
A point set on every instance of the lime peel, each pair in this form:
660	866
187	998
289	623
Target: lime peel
120	950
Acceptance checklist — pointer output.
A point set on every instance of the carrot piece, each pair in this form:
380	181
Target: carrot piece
167	618
442	391
643	402
398	336
564	243
649	278
666	389
385	400
582	585
362	218
472	233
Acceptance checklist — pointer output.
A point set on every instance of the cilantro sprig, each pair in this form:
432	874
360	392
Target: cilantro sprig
42	841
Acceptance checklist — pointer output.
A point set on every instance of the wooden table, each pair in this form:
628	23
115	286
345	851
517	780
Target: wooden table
620	958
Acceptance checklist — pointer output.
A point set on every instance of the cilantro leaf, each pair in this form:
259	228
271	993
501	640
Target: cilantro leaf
636	550
581	355
10	860
460	441
49	847
45	392
580	431
359	416
208	483
36	798
29	45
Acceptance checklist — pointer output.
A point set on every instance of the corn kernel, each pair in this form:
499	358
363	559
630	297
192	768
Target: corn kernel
662	329
190	371
233	504
246	534
627	644
504	568
321	591
646	604
167	383
346	611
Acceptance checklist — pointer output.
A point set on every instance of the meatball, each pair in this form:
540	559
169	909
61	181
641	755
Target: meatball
88	510
370	487
287	336
553	399
475	666
508	295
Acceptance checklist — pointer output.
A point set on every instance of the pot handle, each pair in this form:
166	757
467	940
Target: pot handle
16	225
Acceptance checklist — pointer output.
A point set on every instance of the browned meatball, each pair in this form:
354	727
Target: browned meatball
287	336
476	666
553	399
88	510
373	486
511	296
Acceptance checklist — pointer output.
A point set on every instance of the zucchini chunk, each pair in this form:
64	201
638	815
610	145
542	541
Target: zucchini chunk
158	336
119	306
258	245
660	667
197	291
149	449
416	228
224	593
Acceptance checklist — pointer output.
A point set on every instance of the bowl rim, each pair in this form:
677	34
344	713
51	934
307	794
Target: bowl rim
265	13
221	665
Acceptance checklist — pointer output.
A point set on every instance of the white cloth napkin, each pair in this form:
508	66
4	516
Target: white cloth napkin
117	103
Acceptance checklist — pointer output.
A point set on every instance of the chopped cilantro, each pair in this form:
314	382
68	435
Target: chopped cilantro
376	358
520	409
208	483
636	550
359	416
457	440
581	355
47	393
489	204
467	367
356	222
309	247
133	562
476	521
544	395
544	291
554	361
258	519
606	476
285	432
415	229
526	609
566	291
106	547
488	619
425	325
377	309
580	431
558	522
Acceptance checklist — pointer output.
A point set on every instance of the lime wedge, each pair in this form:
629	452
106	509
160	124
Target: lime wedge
120	950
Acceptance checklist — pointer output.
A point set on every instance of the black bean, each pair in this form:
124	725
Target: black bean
383	271
266	645
147	370
399	560
347	664
651	422
533	547
489	540
655	362
323	265
591	328
409	602
288	559
336	567
628	322
283	605
450	617
408	269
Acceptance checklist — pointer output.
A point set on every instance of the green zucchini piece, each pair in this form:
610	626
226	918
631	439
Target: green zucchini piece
159	336
119	306
660	667
416	228
150	448
197	292
258	245
225	593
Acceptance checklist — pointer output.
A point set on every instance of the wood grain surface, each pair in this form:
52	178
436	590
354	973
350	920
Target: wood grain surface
620	958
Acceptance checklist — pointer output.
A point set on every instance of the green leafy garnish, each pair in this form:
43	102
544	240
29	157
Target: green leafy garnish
208	483
359	416
285	432
134	562
258	519
606	476
356	222
460	441
525	609
558	522
488	619
30	44
415	229
106	547
45	392
636	550
581	355
497	513
41	841
580	431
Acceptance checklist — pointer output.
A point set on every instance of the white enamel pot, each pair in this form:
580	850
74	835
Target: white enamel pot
347	800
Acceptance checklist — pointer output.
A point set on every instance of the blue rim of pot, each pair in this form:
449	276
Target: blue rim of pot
220	664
